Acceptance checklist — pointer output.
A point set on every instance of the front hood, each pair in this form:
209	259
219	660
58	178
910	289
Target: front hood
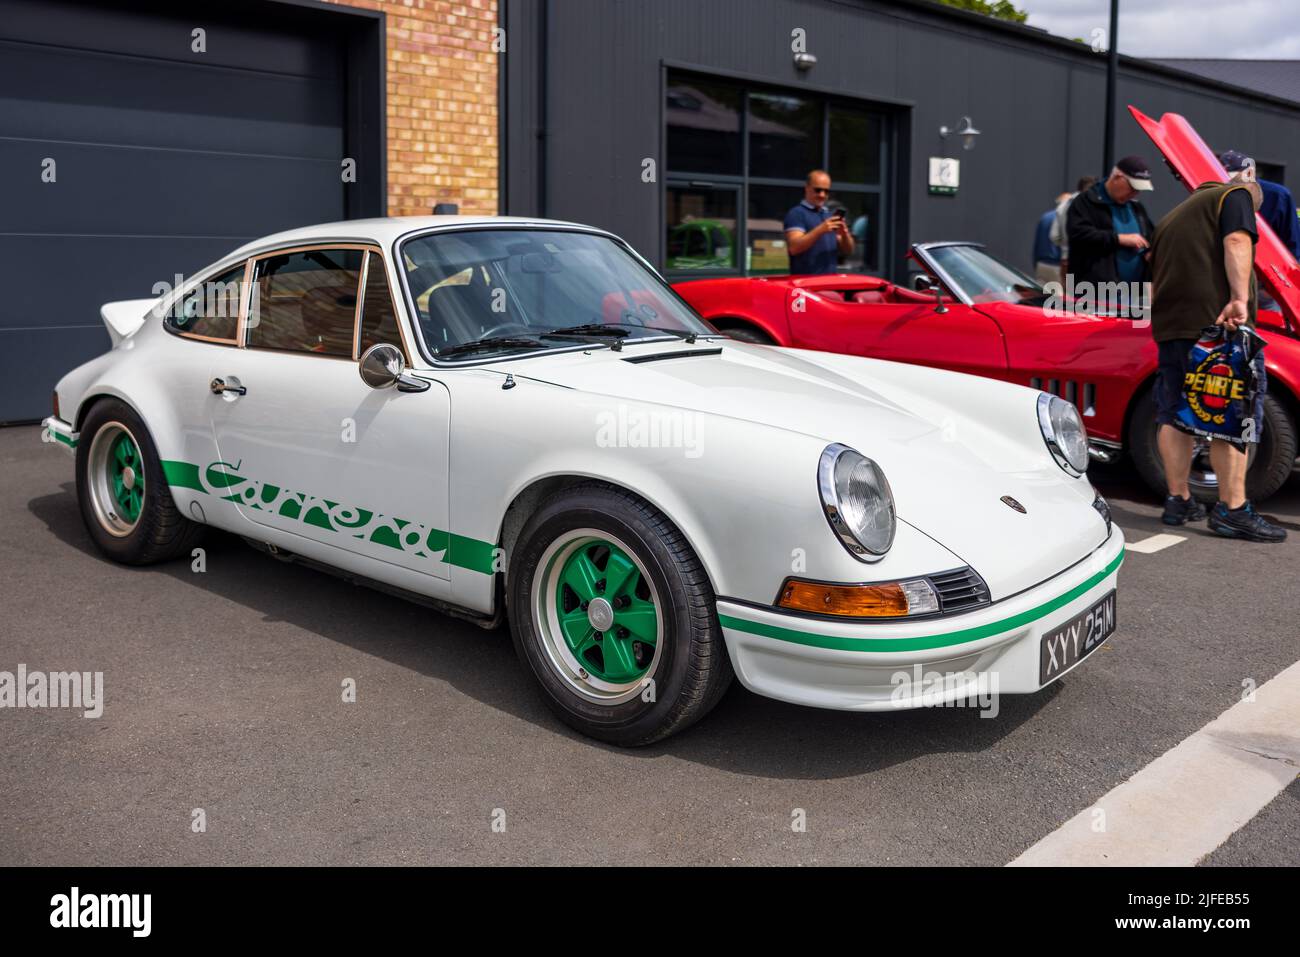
951	445
1195	163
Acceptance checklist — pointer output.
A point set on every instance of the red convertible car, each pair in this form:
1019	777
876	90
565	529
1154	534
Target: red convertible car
970	312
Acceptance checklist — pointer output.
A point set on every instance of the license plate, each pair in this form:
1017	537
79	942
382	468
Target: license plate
1066	645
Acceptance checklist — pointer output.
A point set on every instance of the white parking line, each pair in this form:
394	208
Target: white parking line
1156	543
1193	797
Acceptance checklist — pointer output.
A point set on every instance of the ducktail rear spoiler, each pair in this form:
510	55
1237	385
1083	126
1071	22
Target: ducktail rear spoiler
125	316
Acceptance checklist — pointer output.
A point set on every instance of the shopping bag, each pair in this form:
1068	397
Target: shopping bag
1221	385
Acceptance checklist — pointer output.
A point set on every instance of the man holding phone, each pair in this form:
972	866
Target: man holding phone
815	237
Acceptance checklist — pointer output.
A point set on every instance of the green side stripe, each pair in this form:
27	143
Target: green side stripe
468	553
182	475
922	642
67	440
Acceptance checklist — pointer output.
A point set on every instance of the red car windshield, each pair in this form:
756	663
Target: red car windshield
978	277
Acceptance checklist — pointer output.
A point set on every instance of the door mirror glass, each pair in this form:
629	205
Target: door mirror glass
381	366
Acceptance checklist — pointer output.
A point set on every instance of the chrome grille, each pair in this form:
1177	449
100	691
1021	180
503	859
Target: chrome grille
959	590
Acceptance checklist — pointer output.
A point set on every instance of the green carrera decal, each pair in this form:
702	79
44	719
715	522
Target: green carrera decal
220	479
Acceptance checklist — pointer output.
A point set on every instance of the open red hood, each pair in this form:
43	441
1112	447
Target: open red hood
1196	163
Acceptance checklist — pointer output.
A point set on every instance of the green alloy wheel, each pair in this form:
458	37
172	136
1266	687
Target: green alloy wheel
117	478
597	612
613	614
121	490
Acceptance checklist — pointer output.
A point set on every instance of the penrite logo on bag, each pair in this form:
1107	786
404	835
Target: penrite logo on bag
1221	384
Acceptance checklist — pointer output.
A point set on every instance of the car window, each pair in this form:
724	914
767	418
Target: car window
981	277
378	321
306	301
472	284
211	309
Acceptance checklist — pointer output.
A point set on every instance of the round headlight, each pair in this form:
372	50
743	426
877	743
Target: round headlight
858	502
1064	433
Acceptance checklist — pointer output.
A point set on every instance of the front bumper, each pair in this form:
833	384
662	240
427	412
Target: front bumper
54	429
856	666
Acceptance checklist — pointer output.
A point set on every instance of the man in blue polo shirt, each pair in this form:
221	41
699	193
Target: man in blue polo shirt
814	237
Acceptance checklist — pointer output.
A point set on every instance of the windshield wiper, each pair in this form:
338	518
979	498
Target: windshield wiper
491	342
613	330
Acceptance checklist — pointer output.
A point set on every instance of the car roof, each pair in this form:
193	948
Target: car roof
384	230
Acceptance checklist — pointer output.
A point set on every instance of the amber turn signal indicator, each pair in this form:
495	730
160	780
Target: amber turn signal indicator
850	601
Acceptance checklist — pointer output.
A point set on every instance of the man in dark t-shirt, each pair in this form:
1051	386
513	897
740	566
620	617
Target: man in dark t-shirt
814	236
1203	258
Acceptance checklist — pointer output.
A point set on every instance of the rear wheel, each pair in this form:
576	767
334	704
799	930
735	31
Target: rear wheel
1271	459
613	614
125	502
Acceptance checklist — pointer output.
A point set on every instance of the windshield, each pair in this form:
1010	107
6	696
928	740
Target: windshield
493	291
981	278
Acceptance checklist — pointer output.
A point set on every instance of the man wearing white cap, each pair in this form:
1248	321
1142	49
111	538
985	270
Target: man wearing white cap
1109	230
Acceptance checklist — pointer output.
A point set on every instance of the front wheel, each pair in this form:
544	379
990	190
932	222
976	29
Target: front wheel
1270	461
125	502
613	614
749	334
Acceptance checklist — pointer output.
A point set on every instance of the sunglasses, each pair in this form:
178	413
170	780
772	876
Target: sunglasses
821	189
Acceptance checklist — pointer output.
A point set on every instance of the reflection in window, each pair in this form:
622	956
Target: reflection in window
306	302
378	321
854	145
862	213
530	282
785	137
210	309
765	227
701	228
703	120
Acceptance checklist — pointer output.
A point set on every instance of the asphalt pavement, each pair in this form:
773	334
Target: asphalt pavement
223	695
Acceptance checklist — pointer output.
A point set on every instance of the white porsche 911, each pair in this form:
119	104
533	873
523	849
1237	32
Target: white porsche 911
516	418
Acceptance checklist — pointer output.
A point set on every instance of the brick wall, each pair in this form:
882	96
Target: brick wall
442	104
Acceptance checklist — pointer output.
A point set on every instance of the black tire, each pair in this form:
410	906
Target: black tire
749	334
1271	460
692	670
160	532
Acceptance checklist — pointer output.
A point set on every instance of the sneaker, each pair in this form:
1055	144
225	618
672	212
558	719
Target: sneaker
1180	511
1244	523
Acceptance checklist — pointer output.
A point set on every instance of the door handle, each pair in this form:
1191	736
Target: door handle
219	387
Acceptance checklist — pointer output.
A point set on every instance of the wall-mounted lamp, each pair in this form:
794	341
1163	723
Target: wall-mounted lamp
965	129
804	61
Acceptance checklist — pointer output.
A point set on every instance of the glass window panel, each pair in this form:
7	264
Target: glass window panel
854	146
210	309
378	321
701	228
785	135
306	302
765	222
862	213
703	119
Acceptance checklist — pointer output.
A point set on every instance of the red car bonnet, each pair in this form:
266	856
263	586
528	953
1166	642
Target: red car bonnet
1195	163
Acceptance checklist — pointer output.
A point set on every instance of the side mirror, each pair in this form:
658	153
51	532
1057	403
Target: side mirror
382	367
924	283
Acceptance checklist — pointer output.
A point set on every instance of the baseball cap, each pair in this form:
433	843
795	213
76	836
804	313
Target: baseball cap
1234	161
1137	172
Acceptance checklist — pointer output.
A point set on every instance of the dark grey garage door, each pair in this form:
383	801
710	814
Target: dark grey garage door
164	159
